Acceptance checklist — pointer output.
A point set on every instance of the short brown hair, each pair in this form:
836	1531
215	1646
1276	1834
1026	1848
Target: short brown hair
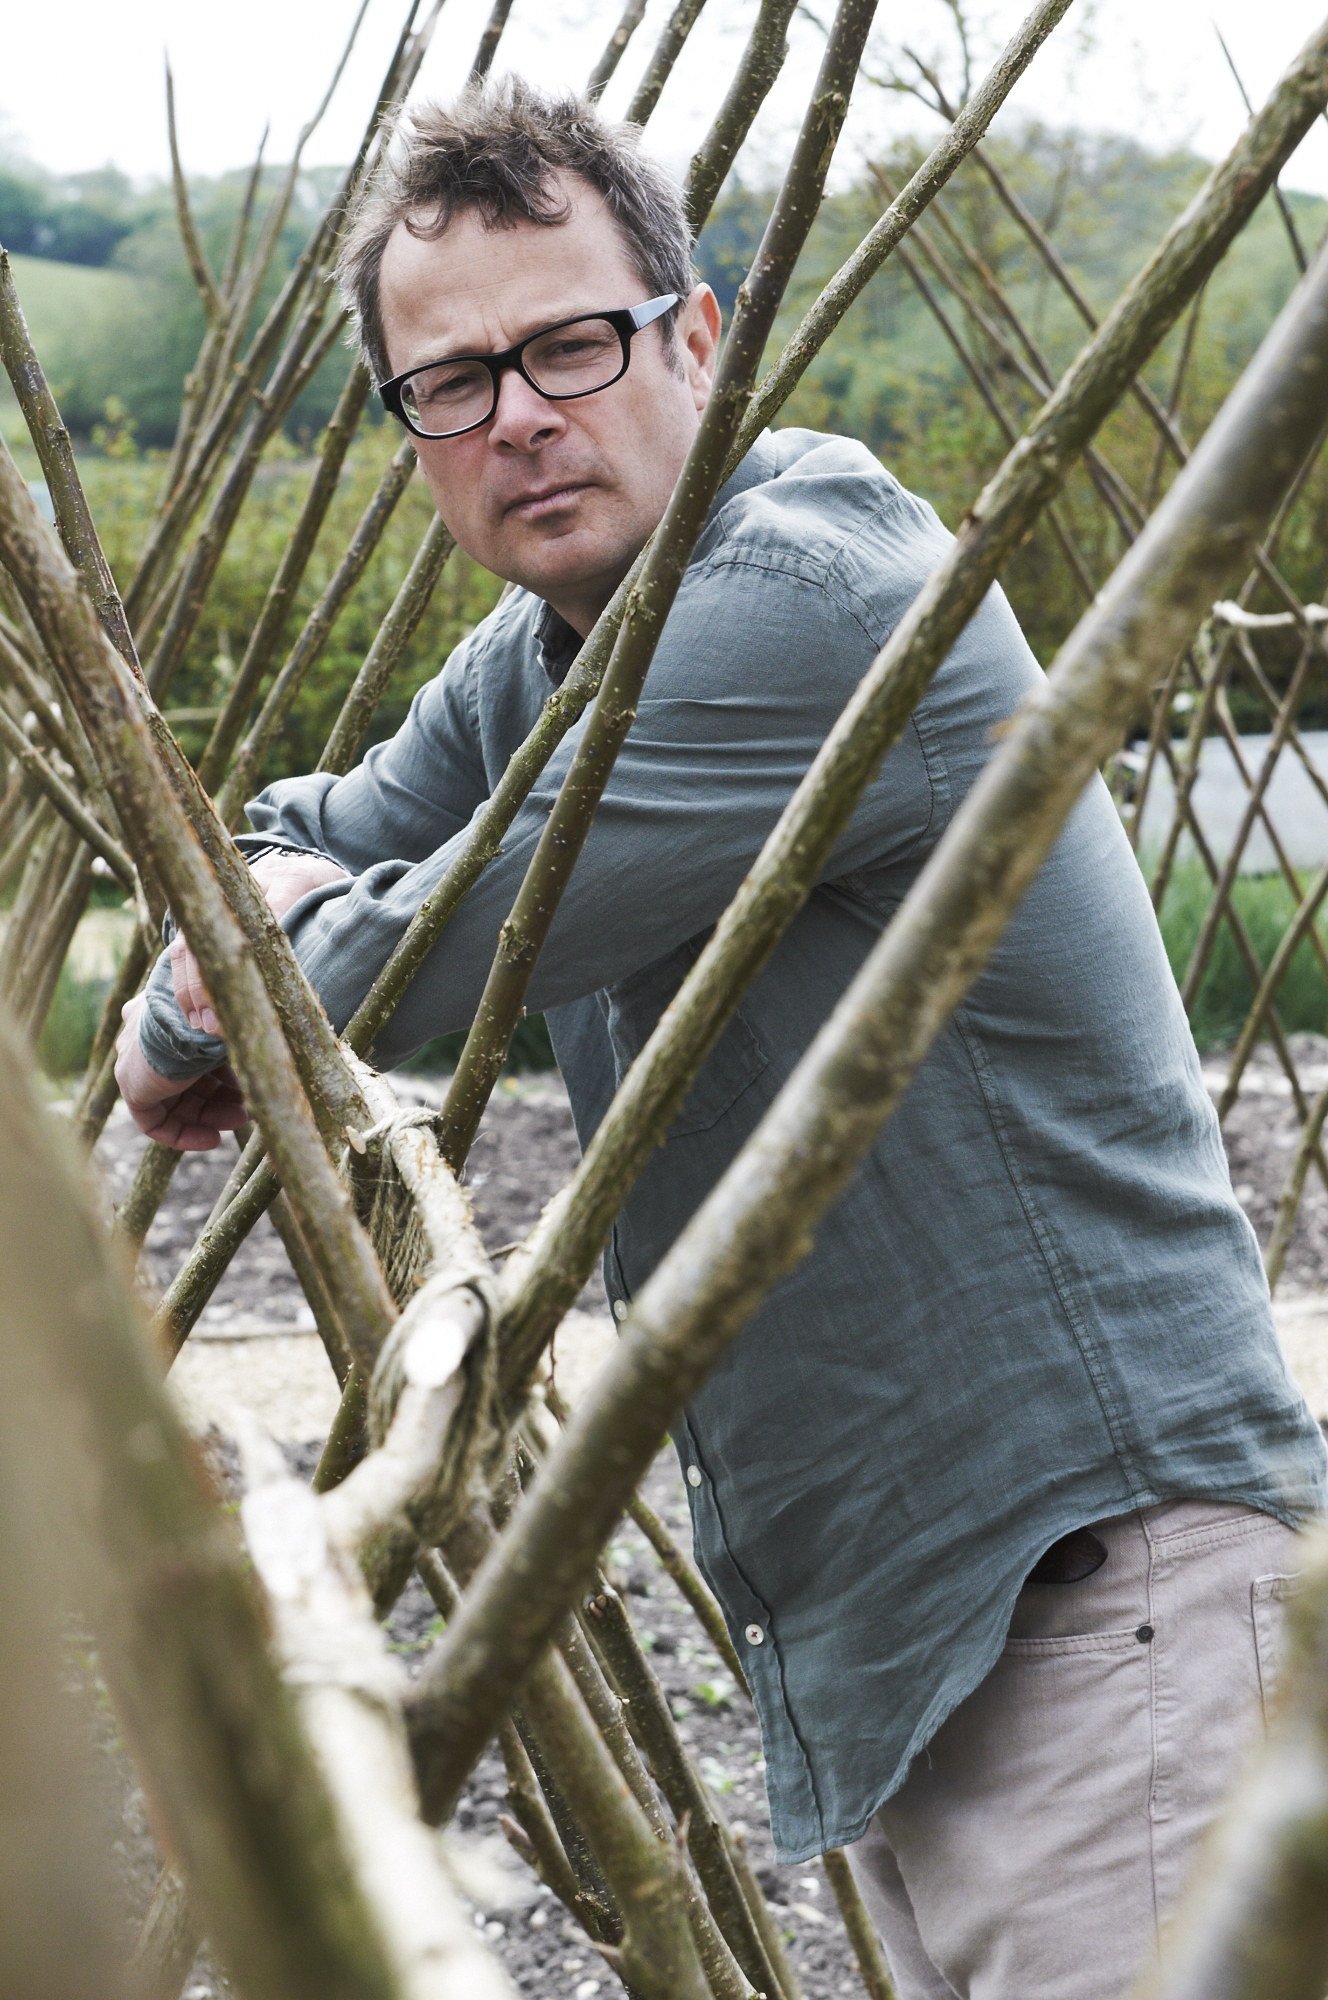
499	150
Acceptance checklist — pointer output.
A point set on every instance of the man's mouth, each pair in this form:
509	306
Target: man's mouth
533	506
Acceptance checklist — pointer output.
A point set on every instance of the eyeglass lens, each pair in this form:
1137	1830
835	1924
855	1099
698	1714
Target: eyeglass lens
570	361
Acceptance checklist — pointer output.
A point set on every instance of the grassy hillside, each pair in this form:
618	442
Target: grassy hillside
68	307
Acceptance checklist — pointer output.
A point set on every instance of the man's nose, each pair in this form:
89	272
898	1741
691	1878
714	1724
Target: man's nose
524	420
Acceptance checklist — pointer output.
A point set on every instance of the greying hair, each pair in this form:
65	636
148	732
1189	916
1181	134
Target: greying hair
499	150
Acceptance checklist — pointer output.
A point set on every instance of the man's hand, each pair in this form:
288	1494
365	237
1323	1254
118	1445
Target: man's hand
192	1116
283	878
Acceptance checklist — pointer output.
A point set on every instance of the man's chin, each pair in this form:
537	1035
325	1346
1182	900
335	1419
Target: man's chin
554	566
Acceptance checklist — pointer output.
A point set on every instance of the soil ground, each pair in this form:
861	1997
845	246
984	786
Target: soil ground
255	1344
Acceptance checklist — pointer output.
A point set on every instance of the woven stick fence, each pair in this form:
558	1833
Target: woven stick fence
293	1775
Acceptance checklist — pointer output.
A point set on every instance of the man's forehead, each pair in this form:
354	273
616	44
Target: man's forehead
474	283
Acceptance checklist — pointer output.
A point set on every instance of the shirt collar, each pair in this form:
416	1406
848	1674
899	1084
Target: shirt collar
559	643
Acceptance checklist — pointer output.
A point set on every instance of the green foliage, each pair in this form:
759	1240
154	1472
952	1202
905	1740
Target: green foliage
1264	905
136	340
74	218
62	1049
890	378
121	494
530	1049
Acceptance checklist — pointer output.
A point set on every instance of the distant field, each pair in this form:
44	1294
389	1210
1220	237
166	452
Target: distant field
63	303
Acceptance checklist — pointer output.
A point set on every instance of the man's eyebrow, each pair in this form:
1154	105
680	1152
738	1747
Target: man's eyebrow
536	324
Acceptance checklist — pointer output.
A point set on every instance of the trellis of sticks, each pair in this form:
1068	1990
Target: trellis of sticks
293	1776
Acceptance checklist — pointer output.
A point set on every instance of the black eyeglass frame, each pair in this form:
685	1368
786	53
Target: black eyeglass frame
625	321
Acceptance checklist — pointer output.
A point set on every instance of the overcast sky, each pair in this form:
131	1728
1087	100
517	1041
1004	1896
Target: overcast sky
81	85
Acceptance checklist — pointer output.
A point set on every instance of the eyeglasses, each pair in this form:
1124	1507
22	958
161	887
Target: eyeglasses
577	357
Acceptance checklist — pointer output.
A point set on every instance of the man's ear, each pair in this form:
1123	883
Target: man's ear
697	332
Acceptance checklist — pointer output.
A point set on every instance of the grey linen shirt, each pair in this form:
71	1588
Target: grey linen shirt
1036	1305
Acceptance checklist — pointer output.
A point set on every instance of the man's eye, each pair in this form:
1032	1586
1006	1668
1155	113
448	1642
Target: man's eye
438	390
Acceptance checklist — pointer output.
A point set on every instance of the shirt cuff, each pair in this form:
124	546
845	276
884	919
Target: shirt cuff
169	1045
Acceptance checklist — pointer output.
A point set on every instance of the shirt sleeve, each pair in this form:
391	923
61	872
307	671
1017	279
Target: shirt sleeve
757	661
406	798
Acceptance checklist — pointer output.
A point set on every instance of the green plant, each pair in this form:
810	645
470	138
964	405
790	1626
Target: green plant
71	1024
531	1049
1264	905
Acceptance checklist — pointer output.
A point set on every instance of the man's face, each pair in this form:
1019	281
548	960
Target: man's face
558	497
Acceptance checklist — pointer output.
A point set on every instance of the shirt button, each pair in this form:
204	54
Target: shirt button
754	1635
693	1475
620	1308
1144	1634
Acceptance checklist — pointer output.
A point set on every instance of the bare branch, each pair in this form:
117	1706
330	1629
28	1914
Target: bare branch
49	435
660	67
389	643
67	803
762	60
166	1588
318	626
199	267
266	635
967	127
614	48
489	40
167	842
1288	220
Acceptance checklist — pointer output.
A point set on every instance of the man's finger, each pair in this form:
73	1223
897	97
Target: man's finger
191	994
194	1121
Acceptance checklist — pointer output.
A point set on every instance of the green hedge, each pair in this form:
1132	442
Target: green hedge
1264	905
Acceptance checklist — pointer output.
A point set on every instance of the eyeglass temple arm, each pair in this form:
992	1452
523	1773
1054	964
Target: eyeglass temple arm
652	309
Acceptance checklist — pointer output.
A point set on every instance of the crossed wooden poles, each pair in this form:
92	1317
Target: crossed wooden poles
291	1774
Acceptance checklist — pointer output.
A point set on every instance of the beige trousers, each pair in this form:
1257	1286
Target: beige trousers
1038	1843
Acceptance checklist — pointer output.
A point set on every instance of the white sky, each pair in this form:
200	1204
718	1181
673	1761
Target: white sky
81	86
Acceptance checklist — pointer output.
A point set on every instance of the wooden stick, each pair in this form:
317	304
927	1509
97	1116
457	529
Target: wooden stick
669	47
489	40
861	1930
266	635
632	15
762	60
166	839
317	630
164	1584
66	802
200	270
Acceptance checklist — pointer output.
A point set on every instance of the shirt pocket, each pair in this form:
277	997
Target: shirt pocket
632	1011
1269	1595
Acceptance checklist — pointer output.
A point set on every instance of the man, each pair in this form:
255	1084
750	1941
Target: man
997	1488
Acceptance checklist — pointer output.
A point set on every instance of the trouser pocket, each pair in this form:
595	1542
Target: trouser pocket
1268	1601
